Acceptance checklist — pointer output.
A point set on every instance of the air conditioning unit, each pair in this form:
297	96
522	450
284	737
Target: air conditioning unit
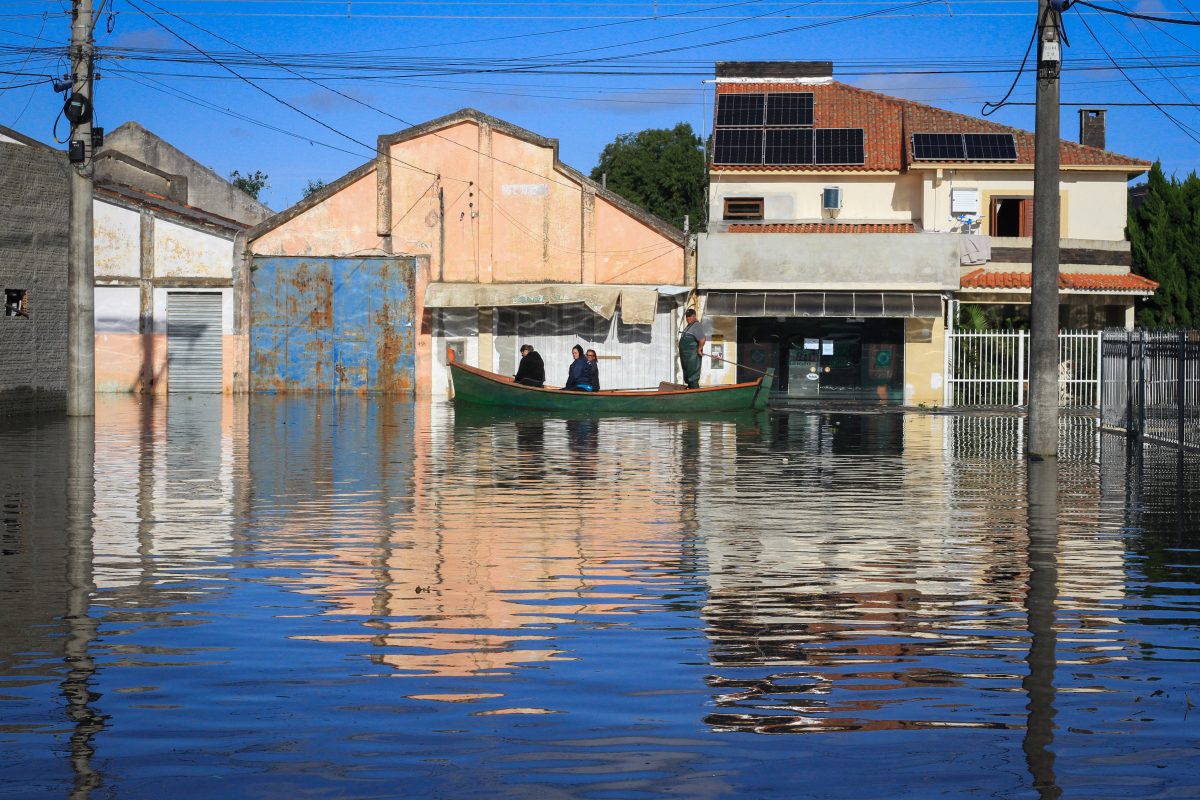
831	198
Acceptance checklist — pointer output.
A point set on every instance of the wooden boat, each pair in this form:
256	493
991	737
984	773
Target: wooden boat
474	386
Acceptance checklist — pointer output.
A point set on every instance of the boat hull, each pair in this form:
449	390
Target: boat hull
478	387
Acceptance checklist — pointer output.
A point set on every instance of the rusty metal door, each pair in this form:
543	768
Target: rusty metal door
332	324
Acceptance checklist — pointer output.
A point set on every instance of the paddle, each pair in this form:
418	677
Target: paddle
736	364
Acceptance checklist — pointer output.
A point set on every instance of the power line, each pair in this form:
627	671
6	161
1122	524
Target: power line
1132	14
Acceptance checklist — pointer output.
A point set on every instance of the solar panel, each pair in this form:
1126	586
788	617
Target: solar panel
789	146
938	147
991	146
789	108
738	146
838	146
740	109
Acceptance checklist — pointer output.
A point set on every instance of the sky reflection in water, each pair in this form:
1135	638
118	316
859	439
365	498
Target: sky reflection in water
351	598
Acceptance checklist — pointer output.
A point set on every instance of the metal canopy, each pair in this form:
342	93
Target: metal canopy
823	304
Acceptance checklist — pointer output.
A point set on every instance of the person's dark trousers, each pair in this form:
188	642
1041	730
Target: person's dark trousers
689	359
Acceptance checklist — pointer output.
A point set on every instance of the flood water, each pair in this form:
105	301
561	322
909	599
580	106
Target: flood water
349	598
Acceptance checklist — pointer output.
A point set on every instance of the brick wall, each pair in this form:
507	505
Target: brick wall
33	256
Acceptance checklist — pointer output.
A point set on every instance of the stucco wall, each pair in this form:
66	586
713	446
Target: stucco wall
343	224
1093	205
895	198
117	237
180	251
33	256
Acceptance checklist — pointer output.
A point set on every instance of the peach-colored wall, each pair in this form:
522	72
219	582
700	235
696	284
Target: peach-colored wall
344	223
509	217
137	363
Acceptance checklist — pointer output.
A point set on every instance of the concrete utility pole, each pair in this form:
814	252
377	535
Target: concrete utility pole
1043	329
81	293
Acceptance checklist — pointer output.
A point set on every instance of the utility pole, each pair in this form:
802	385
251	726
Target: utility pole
81	292
1043	329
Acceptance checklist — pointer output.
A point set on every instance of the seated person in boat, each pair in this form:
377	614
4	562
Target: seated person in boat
579	374
531	371
595	370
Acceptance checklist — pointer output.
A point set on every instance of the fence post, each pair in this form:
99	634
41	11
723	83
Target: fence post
1180	394
1099	373
1020	368
1141	386
1128	382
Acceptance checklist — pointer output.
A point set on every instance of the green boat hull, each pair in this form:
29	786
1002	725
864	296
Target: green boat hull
477	387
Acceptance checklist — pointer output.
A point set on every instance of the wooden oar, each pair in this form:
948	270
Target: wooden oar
736	364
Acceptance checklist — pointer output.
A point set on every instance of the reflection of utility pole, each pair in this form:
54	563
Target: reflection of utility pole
81	292
80	625
1043	312
1041	599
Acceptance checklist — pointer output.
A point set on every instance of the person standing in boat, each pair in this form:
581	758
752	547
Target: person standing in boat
691	348
579	374
594	374
531	371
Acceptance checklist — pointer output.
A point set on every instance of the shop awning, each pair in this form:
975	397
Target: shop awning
639	304
823	304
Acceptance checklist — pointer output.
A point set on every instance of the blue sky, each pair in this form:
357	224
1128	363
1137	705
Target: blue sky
950	53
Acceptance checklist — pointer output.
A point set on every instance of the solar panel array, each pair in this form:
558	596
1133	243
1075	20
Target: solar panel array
775	128
964	147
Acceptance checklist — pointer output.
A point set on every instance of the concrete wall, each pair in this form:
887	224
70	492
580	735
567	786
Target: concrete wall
206	189
140	257
33	256
831	262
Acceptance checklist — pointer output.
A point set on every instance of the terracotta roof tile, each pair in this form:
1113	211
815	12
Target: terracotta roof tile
1080	281
888	123
823	227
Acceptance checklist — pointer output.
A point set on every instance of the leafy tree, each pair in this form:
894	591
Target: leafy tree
1164	235
314	185
250	183
659	169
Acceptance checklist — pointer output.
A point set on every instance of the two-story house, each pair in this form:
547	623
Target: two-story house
844	224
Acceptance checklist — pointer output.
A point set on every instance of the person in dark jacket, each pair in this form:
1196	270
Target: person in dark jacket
531	371
595	370
579	374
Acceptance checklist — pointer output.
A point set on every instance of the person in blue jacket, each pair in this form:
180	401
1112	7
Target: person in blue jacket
579	374
595	367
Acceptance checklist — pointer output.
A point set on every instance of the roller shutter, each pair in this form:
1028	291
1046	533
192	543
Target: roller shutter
193	342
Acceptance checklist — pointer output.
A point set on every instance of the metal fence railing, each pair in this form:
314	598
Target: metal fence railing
1150	386
991	368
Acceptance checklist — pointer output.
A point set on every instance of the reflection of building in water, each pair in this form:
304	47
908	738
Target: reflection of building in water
509	535
846	581
165	485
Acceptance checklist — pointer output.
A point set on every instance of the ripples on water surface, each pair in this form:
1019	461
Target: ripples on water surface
327	598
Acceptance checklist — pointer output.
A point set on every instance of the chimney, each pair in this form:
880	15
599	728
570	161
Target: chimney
1091	127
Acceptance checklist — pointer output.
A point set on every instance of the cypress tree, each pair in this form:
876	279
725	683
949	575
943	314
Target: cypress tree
1164	236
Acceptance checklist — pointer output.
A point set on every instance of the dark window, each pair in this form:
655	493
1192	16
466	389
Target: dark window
990	146
790	108
740	109
868	304
938	146
781	304
719	303
789	146
839	305
738	146
897	305
1012	216
838	146
750	305
16	303
743	208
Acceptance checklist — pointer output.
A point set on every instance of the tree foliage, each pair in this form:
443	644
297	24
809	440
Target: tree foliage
314	185
659	169
251	183
1164	235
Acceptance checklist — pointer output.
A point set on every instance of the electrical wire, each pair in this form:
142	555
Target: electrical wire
1131	14
1187	131
991	108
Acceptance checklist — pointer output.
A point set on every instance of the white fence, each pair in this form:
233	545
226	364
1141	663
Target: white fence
991	368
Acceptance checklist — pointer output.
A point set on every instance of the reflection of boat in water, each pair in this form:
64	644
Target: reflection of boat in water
479	387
